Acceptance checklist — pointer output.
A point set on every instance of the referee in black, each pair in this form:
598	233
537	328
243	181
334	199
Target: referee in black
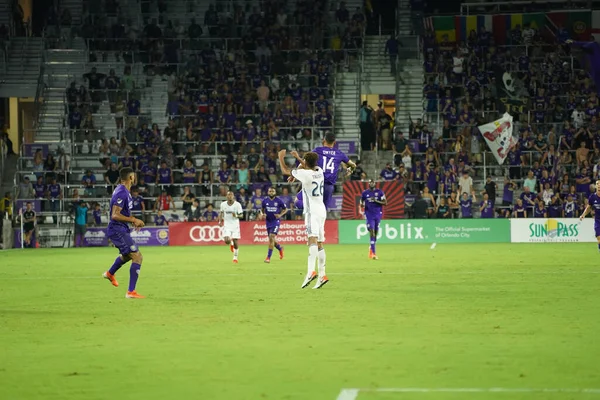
28	224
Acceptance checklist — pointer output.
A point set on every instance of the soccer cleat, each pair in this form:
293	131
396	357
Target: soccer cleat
111	278
281	253
370	253
231	247
308	279
375	257
235	261
321	282
267	261
134	295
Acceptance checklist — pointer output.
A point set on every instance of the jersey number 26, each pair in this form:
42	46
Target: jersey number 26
317	189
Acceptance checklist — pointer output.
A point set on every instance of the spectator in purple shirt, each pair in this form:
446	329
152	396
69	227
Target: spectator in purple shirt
189	172
210	214
388	173
540	210
224	174
528	199
508	192
466	205
486	207
88	181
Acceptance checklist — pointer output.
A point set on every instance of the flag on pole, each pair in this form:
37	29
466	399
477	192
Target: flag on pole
499	138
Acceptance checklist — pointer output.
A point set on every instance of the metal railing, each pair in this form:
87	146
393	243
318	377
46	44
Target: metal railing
518	6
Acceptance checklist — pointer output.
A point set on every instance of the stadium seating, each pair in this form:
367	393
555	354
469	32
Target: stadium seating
112	71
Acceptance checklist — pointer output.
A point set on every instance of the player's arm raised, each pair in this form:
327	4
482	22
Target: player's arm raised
116	215
297	157
284	168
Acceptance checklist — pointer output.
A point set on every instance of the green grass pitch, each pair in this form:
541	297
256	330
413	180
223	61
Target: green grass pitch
459	316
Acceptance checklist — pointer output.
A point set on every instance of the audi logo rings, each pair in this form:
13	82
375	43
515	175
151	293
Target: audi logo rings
207	233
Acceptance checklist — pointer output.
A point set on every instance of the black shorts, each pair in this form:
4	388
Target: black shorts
28	227
80	229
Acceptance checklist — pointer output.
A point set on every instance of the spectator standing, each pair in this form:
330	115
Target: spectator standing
490	188
466	204
530	182
25	189
465	183
486	207
55	196
80	223
391	48
367	136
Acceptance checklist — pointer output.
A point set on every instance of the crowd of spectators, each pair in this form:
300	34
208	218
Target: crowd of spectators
232	104
547	174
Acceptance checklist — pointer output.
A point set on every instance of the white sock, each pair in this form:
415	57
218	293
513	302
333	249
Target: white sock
322	259
235	253
312	257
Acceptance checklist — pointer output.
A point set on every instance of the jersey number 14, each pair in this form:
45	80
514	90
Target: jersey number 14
328	165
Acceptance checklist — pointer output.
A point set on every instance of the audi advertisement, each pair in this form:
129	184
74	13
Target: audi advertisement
254	232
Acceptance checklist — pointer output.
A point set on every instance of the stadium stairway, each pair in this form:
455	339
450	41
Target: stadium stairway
373	162
376	75
409	91
22	69
61	67
75	8
346	104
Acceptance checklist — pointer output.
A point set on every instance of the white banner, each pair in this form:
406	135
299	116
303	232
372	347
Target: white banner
498	135
544	230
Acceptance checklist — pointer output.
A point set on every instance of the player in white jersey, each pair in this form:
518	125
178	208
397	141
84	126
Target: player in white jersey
315	213
229	218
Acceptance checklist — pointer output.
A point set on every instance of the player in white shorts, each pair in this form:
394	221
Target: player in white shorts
315	213
229	218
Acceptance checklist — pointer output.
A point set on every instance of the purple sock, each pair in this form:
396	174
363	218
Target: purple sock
134	273
373	245
116	265
277	246
269	253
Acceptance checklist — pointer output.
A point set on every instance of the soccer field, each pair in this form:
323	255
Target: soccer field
419	322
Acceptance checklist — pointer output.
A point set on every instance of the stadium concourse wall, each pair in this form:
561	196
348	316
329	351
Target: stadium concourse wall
392	231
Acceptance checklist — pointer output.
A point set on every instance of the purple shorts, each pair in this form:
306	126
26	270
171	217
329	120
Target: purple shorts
273	229
597	228
373	223
123	242
327	195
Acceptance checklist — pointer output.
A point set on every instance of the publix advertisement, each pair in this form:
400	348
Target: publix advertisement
428	231
543	230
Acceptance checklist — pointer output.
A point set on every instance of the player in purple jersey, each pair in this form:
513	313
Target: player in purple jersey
273	209
299	205
372	201
121	205
594	203
330	160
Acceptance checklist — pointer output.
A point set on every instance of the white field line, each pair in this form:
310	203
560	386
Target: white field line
554	272
352	394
